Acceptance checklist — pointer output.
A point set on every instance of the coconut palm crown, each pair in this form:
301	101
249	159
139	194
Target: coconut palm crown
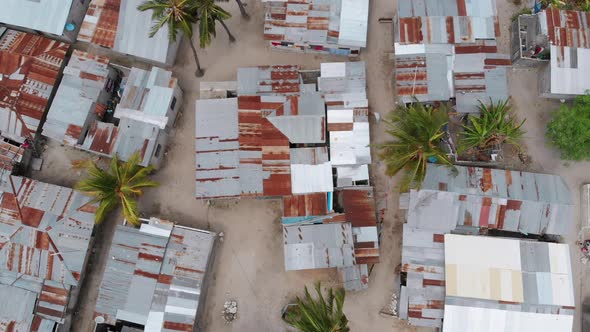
321	314
120	184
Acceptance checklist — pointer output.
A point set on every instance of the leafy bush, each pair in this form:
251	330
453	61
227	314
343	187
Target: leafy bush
569	129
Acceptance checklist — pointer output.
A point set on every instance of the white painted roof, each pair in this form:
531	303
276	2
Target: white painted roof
44	15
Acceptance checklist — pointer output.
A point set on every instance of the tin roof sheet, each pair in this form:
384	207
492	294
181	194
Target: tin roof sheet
29	66
311	171
147	96
46	16
315	204
81	85
154	279
9	155
119	25
16	315
529	203
136	136
318	246
330	24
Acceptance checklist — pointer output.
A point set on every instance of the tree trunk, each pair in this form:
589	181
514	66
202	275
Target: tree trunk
231	37
243	10
200	72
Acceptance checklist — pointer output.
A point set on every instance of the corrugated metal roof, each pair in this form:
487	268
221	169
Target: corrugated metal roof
9	155
119	25
311	171
147	96
154	278
317	26
46	16
308	205
16	311
434	40
81	85
29	66
45	232
355	278
315	246
492	199
505	273
136	136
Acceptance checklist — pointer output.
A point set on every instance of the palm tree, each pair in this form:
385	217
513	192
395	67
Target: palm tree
493	127
321	314
417	131
242	8
208	14
178	15
121	184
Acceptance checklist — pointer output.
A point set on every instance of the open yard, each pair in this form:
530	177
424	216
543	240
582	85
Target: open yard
249	262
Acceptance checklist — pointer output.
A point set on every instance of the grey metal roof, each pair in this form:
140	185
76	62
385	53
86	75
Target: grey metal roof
318	246
476	198
155	274
46	16
83	80
136	136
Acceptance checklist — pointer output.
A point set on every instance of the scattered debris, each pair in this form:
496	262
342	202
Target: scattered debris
230	311
390	310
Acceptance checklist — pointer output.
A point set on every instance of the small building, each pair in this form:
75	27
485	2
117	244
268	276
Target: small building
119	26
302	136
156	277
107	110
29	69
447	50
45	236
557	41
56	19
337	27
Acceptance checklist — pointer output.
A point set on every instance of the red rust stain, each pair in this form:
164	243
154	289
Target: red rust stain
486	183
177	326
149	257
432	282
31	217
438	238
145	274
461	7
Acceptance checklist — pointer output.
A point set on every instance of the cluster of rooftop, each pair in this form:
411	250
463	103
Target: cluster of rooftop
447	50
83	114
280	131
487	283
45	232
335	27
155	277
558	40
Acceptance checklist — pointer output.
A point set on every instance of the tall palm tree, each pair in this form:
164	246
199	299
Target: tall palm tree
494	126
121	184
208	13
242	8
417	133
320	314
178	15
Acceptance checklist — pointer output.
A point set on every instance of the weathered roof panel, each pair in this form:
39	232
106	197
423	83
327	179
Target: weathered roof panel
46	16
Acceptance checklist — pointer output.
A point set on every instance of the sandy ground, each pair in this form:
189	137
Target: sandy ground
249	263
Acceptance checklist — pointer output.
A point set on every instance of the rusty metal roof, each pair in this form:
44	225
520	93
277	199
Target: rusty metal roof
9	155
448	50
45	232
29	66
316	26
567	28
155	276
83	82
307	205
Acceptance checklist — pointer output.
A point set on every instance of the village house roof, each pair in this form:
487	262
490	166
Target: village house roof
46	16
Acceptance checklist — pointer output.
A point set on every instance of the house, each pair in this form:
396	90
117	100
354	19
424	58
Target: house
118	25
56	19
302	136
156	277
557	41
476	202
337	27
45	236
29	69
447	50
91	113
491	200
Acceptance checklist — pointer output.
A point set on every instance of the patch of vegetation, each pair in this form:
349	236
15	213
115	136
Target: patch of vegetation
417	131
569	129
522	11
320	314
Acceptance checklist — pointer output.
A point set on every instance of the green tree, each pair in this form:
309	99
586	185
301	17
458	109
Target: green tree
321	314
494	126
417	131
569	129
208	13
121	184
179	16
